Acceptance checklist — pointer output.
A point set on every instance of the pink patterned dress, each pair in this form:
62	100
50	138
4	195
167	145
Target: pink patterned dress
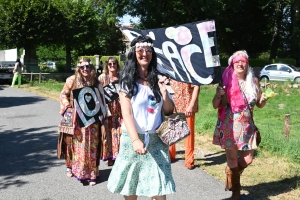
237	130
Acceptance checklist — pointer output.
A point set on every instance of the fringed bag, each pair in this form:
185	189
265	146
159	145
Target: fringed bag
67	123
173	129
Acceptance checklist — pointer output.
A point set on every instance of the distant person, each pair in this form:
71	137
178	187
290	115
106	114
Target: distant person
110	145
142	167
234	131
82	149
186	101
17	73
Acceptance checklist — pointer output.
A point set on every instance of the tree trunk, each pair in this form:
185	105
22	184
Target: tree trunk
295	42
275	39
68	58
30	58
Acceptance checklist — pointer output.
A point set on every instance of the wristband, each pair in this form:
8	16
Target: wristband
135	140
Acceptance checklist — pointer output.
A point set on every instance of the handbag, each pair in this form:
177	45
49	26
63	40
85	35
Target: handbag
67	123
173	129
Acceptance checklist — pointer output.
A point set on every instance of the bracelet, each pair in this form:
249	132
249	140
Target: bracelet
135	140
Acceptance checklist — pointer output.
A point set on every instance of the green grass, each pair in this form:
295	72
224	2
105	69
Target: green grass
269	119
49	85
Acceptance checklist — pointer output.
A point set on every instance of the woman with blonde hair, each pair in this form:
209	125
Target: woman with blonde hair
235	129
111	142
82	149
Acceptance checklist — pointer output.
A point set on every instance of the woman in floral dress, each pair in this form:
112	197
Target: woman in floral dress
83	149
110	146
235	131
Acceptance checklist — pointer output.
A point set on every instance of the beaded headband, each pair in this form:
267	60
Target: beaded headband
144	44
80	64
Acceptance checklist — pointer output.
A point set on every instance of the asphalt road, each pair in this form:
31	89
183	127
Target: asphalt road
29	168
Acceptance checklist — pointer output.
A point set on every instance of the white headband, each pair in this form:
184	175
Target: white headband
144	44
80	64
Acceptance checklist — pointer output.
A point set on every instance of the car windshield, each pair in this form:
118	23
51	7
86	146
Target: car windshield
294	68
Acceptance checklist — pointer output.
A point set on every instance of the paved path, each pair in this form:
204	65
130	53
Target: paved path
29	168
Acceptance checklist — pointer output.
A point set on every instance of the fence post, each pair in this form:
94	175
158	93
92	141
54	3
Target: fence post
31	77
286	129
40	76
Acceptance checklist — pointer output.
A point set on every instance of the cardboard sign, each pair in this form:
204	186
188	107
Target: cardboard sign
89	106
186	53
111	92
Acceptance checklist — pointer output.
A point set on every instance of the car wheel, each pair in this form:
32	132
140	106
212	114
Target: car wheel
297	79
264	79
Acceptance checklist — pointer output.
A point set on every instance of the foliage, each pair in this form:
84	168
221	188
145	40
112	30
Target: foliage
257	26
53	53
27	22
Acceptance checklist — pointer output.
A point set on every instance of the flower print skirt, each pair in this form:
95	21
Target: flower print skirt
142	175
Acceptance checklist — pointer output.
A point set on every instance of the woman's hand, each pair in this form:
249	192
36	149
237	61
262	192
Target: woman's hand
218	97
220	91
263	98
162	81
138	147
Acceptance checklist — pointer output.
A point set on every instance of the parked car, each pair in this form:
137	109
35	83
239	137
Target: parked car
51	65
279	72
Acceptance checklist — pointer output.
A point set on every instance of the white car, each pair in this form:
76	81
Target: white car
51	65
279	72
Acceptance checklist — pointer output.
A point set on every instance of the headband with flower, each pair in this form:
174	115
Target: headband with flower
81	64
144	44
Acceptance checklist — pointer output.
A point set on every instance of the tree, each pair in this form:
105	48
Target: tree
78	26
27	23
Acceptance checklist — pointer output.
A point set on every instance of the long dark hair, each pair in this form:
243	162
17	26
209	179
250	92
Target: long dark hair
130	74
19	62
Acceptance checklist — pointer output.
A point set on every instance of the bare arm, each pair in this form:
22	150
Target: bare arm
195	94
218	97
261	98
168	105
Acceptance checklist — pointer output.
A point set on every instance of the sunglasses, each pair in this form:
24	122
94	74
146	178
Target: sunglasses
85	66
111	64
142	50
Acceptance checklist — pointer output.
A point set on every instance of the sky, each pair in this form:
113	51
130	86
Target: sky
125	20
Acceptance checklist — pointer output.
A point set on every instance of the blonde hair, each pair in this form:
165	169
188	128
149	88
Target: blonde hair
79	78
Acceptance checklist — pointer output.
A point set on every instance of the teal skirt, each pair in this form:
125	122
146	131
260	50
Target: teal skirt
142	175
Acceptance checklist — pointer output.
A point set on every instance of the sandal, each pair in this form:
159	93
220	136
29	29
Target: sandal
92	183
69	173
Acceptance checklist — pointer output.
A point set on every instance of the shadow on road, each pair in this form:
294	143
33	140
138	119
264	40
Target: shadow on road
25	152
6	102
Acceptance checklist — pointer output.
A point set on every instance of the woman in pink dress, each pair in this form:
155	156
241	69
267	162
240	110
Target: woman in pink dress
235	131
